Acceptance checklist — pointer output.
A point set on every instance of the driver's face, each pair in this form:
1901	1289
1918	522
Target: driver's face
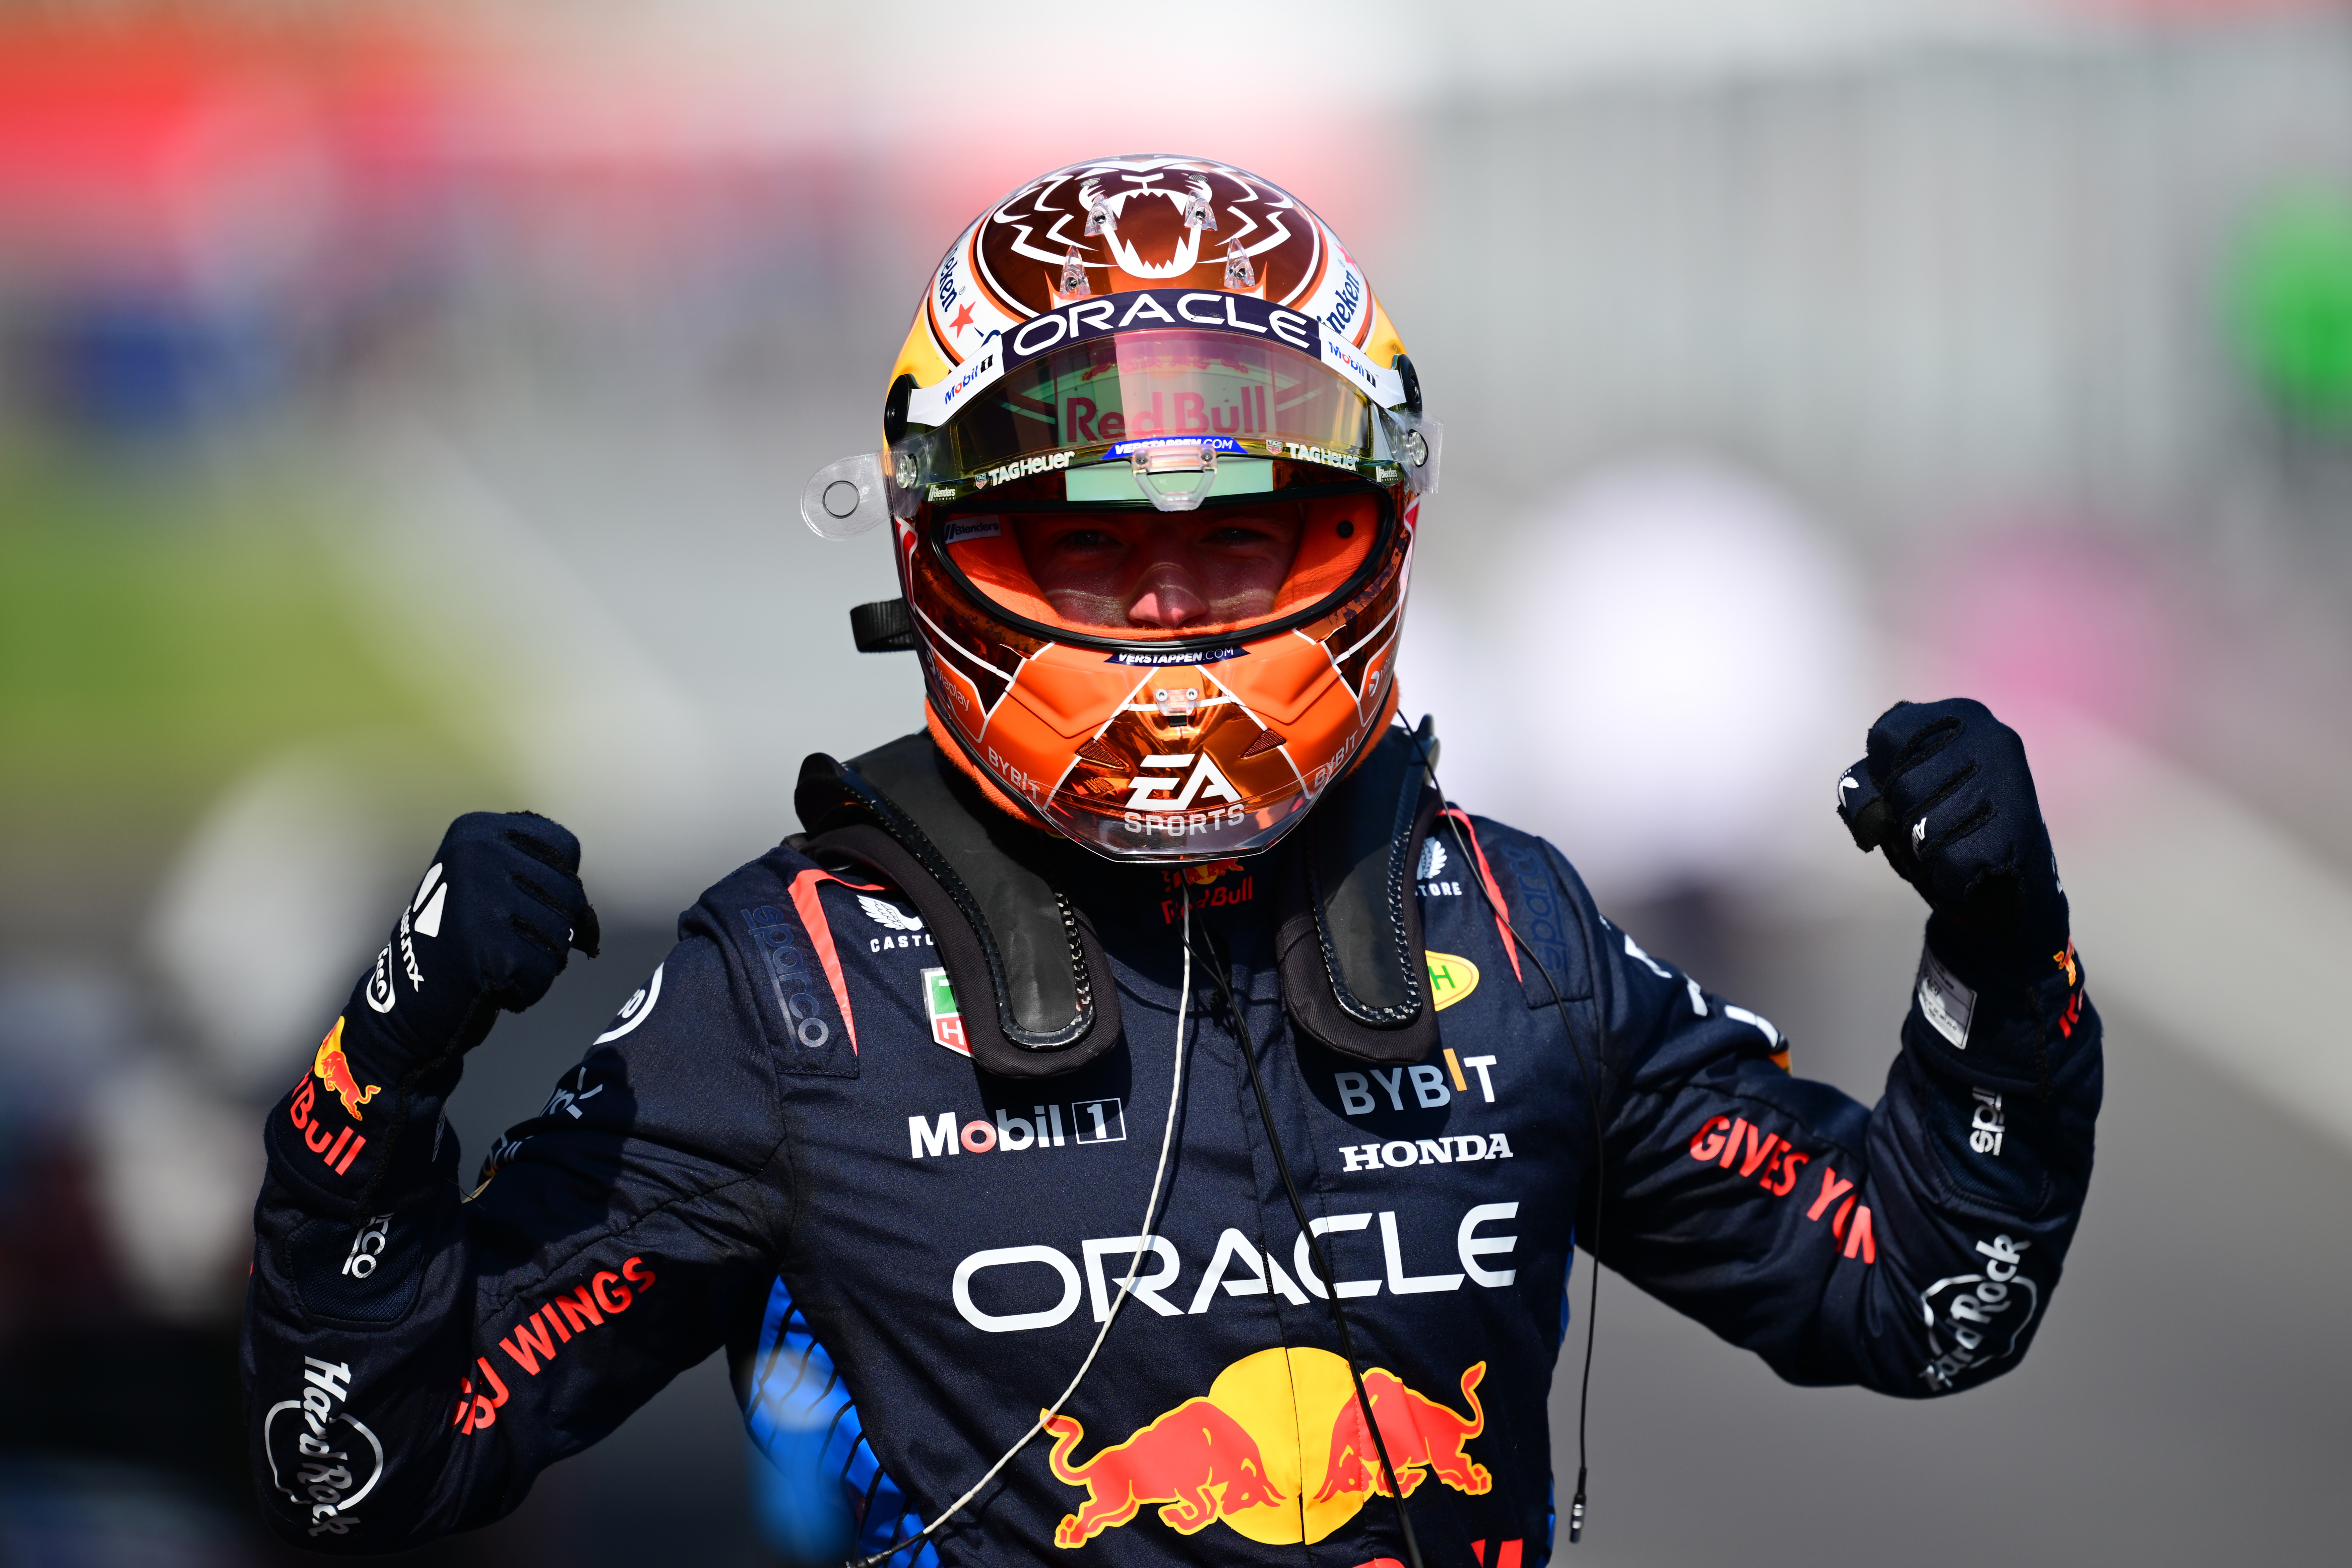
1158	569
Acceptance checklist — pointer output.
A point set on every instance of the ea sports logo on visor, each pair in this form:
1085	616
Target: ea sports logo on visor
1179	796
1189	780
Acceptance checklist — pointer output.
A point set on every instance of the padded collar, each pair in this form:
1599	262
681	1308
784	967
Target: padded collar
1348	939
1354	965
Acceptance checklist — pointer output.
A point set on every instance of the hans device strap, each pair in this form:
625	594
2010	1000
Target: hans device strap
1004	931
1349	940
1348	933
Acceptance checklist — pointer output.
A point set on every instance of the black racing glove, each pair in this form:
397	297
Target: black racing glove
488	928
1998	1025
1945	791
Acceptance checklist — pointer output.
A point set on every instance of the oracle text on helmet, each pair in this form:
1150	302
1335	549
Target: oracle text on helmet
1160	308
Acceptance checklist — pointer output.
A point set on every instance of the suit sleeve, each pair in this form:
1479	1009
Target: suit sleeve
1911	1247
415	1354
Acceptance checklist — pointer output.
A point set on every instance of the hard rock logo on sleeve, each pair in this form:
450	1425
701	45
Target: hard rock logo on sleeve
1975	1319
321	1454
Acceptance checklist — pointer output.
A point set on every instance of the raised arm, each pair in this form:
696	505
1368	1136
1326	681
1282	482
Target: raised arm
1913	1247
414	1356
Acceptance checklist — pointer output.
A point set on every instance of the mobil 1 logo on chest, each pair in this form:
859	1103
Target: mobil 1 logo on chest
1071	1124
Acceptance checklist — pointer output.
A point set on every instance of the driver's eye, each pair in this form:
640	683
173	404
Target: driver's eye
1085	539
1237	536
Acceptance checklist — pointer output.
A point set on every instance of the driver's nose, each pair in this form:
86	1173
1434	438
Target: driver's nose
1168	597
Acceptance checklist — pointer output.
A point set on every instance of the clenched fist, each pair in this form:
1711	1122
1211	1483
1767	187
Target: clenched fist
1945	791
489	928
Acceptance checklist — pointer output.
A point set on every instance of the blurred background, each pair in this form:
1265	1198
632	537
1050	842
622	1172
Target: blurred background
404	408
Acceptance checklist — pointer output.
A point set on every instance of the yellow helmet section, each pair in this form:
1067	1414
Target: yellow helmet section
921	357
1381	343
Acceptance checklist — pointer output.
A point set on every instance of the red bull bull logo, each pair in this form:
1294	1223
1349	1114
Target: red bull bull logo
1196	1460
1277	1450
333	1069
1422	1436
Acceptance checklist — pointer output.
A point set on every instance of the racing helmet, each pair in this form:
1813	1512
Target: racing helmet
1136	343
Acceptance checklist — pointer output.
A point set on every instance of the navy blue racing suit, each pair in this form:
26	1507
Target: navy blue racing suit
779	1147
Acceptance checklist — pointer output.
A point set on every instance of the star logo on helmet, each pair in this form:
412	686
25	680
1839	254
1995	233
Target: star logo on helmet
962	320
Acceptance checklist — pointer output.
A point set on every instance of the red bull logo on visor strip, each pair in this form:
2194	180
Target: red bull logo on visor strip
1277	1450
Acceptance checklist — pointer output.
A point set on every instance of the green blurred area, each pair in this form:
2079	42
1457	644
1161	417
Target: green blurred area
2291	303
159	634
